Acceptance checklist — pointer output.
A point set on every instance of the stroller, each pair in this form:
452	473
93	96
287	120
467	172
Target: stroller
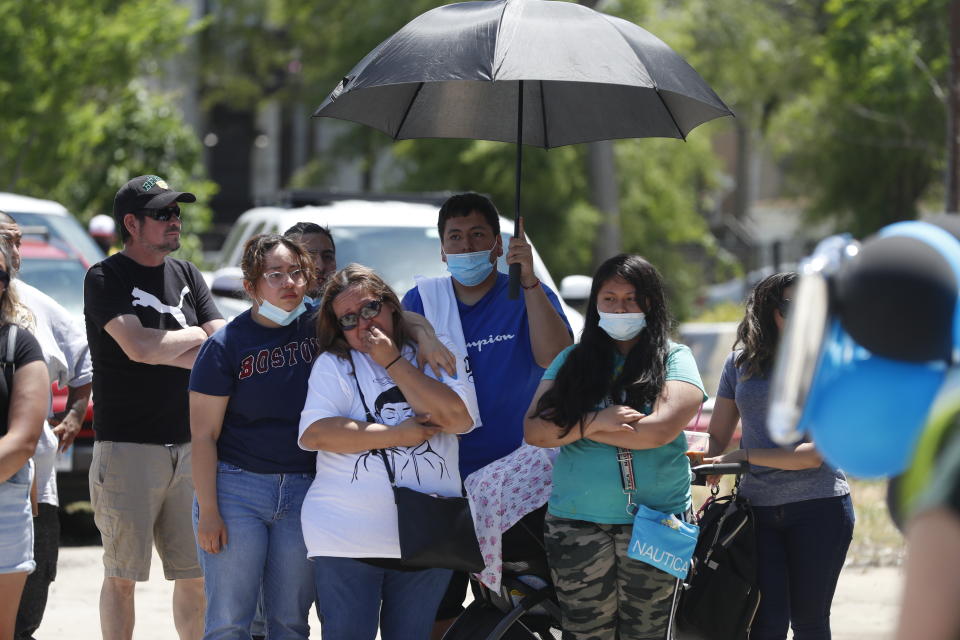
525	607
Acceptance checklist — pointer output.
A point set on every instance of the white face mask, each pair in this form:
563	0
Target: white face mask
275	314
622	326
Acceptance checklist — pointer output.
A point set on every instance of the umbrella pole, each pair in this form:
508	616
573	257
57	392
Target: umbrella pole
514	284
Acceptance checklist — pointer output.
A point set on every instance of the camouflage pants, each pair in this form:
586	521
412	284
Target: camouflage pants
603	594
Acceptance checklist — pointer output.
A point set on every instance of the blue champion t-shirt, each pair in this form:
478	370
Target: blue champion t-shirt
497	334
264	370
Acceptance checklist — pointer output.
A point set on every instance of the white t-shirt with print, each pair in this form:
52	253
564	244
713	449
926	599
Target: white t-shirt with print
349	510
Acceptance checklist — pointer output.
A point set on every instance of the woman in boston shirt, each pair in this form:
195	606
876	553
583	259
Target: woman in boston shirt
246	391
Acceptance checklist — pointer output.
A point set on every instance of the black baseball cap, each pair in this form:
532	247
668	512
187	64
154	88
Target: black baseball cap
146	192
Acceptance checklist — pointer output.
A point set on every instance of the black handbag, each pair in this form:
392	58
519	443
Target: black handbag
436	532
720	595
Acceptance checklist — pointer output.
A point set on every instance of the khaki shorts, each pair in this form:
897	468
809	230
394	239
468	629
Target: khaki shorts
143	494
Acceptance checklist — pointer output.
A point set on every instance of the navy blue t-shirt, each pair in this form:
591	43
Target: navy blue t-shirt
264	370
505	375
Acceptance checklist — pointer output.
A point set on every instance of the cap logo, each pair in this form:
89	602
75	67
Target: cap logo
154	181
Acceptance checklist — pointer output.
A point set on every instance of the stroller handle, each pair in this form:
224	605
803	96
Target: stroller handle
721	468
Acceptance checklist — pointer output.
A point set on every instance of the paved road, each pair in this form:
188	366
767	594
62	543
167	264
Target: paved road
864	607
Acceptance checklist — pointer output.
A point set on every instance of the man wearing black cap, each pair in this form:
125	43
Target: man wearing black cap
146	316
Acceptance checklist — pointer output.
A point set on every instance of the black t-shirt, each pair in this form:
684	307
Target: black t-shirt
26	350
138	402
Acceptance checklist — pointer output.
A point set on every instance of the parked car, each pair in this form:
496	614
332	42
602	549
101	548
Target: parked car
59	273
397	237
711	343
62	228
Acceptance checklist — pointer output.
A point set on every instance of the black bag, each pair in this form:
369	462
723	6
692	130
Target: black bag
720	596
436	532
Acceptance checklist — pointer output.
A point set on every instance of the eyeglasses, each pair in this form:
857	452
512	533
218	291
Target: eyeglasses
277	279
162	215
784	306
368	311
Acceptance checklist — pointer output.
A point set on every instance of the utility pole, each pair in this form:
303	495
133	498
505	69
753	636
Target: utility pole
605	196
604	190
953	113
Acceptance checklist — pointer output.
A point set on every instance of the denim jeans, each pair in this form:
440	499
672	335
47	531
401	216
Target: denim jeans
801	547
356	596
16	522
264	546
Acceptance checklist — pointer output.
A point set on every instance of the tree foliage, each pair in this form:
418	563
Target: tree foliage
78	121
866	141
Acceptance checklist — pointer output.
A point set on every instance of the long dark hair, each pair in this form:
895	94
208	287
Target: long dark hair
584	380
757	335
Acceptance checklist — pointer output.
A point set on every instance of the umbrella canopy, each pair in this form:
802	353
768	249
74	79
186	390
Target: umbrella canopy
461	70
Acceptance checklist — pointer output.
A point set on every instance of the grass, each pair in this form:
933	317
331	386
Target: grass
876	541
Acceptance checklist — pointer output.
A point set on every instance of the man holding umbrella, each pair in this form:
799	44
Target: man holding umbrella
508	343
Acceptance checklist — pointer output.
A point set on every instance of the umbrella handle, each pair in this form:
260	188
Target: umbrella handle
513	288
514	284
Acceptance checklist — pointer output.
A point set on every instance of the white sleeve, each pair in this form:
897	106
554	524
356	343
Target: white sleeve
73	342
330	393
67	333
461	385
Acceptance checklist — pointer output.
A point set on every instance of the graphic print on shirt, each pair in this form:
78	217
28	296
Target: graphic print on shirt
143	299
391	408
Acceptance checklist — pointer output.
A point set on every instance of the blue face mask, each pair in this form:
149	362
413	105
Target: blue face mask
622	326
274	313
470	269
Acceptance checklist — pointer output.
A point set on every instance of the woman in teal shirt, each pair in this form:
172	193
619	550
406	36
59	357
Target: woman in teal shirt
625	385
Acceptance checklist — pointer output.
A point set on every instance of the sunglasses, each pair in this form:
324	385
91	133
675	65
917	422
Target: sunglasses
276	279
162	215
784	306
368	311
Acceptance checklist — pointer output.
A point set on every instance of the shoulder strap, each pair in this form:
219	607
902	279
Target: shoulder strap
8	355
627	478
366	410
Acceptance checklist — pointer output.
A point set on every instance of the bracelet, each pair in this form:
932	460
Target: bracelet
392	362
533	286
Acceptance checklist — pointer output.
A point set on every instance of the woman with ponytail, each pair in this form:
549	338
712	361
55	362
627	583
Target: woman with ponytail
803	512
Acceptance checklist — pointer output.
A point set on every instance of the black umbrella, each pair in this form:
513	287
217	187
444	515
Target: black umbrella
536	72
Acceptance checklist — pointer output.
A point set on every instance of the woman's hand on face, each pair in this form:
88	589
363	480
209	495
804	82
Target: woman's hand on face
432	352
379	346
415	430
615	418
211	532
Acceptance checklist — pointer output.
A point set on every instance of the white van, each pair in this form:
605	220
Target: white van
398	239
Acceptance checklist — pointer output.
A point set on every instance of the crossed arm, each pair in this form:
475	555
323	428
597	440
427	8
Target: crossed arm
619	425
158	346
